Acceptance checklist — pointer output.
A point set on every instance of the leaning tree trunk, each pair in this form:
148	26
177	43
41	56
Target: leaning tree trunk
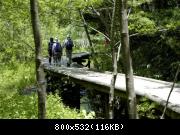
39	69
131	96
89	39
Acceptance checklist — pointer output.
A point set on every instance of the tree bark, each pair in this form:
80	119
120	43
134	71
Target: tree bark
114	63
40	76
131	96
89	38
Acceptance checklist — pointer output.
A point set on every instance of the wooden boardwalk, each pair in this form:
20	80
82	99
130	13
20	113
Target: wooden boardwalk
154	90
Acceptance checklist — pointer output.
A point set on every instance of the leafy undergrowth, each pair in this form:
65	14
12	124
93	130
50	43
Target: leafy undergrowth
15	77
13	105
26	107
148	109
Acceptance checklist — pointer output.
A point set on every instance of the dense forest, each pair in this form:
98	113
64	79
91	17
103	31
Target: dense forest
135	37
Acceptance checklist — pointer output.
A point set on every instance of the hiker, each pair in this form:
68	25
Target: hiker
50	44
69	48
57	52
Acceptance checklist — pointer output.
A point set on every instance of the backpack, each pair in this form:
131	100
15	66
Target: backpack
57	47
69	44
50	46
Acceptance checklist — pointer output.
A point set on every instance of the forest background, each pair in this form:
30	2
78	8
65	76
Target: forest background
154	30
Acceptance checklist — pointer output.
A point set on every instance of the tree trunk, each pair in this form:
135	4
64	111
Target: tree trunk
39	69
114	63
89	38
131	96
112	87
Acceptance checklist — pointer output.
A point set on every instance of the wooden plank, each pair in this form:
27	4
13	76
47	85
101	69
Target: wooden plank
154	90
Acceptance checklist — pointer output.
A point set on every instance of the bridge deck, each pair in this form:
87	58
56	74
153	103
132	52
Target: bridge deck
154	90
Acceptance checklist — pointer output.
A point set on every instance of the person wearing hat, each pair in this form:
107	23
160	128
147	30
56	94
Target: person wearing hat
68	44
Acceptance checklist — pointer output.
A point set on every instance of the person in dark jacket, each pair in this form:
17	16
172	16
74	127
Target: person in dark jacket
50	44
57	52
68	44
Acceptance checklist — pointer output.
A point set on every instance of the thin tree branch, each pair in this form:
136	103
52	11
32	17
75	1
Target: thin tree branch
175	78
102	9
135	34
119	50
100	17
95	11
129	11
100	33
163	30
117	43
33	49
89	38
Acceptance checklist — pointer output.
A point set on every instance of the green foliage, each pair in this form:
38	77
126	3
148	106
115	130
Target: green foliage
136	3
172	42
147	109
18	106
13	105
15	27
167	19
140	23
16	76
25	107
57	110
157	41
86	3
58	18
